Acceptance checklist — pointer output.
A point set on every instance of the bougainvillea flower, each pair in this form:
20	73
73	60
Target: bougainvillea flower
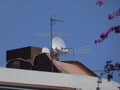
95	41
99	2
117	29
104	35
99	40
110	17
110	29
115	14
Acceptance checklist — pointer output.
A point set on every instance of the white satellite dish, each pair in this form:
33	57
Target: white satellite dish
59	46
45	50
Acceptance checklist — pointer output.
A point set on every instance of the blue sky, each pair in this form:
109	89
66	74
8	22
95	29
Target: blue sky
84	21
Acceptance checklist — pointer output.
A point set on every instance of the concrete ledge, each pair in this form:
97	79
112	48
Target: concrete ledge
54	80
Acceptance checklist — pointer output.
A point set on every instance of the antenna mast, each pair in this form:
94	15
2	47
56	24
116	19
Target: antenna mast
52	21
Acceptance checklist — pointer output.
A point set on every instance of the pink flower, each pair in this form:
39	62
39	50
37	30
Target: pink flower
95	41
110	17
110	29
117	29
117	13
104	35
99	40
99	2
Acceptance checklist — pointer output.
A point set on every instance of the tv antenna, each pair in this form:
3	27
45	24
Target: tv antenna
83	50
52	22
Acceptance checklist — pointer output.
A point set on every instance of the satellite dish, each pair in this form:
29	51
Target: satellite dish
58	45
45	50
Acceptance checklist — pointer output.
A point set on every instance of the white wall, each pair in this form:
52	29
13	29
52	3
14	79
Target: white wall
54	79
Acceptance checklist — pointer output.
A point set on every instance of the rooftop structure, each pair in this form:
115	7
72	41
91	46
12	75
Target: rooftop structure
31	69
27	53
32	58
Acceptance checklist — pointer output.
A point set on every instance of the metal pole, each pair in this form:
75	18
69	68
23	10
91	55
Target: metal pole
51	31
52	20
51	36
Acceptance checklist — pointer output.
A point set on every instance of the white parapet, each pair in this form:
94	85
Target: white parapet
58	80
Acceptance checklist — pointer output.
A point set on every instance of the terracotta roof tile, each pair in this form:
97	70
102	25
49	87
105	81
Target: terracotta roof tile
73	67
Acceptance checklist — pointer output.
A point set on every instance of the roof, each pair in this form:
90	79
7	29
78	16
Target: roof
73	67
81	66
